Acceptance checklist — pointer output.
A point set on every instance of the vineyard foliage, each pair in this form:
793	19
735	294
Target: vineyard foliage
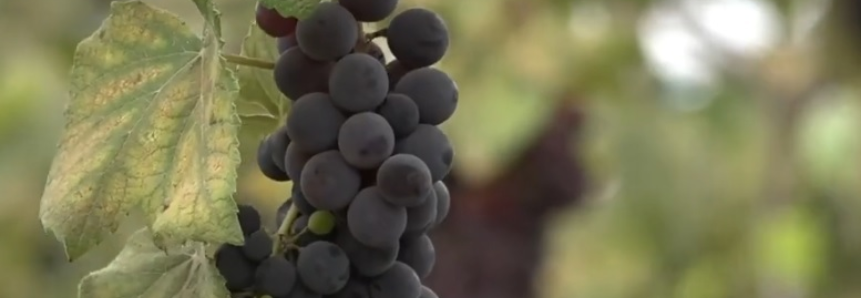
682	174
152	127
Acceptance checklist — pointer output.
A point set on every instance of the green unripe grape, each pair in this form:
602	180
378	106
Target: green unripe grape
321	222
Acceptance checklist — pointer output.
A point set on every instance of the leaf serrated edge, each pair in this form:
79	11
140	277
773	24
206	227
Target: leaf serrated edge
73	254
212	16
195	251
212	32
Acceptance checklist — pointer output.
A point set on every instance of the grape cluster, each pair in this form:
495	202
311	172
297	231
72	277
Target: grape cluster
363	149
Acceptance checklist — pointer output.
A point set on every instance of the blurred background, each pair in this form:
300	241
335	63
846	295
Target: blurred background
604	148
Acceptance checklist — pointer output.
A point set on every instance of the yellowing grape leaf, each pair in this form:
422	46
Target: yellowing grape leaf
144	270
297	8
151	123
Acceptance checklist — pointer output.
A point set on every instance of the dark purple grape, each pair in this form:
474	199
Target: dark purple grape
302	291
401	113
404	180
273	23
258	246
418	37
420	218
367	261
329	32
313	123
400	281
234	267
366	140
267	165
370	10
374	222
276	277
433	91
300	201
249	219
323	267
418	253
297	75
278	142
428	293
329	182
432	146
358	83
294	161
443	201
285	43
281	213
396	70
354	289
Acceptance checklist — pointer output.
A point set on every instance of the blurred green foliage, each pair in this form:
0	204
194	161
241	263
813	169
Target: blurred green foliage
751	193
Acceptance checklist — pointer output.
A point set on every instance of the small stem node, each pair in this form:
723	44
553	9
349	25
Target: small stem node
293	238
283	237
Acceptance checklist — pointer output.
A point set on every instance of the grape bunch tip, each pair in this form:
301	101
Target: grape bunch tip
364	151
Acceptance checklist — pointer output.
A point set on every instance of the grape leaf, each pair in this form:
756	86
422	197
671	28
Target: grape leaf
258	127
151	123
142	269
258	96
297	8
251	108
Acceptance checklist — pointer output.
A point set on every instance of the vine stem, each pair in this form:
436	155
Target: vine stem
242	60
378	33
283	237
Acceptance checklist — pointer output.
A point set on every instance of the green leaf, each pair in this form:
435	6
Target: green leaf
212	16
259	126
253	109
151	123
144	270
297	8
258	85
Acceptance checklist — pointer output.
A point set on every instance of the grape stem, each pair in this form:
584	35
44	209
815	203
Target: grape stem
283	237
293	238
378	33
247	61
